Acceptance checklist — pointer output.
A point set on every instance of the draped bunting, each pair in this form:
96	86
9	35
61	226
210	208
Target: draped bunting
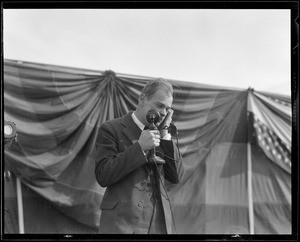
58	110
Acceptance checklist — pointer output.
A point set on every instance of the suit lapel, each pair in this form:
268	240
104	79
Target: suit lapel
130	129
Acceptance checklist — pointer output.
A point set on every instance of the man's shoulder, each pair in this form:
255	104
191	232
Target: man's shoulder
118	120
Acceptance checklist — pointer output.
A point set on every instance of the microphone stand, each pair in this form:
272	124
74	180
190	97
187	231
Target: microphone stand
152	158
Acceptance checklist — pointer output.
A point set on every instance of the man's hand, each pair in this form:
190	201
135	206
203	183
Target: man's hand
149	139
165	123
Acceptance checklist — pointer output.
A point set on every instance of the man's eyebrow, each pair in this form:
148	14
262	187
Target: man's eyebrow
162	104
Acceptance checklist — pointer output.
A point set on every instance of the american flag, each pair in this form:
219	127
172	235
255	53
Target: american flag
272	146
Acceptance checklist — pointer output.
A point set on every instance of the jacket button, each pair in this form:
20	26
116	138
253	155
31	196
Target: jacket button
140	204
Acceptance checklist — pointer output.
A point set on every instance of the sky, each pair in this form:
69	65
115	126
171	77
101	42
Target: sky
236	48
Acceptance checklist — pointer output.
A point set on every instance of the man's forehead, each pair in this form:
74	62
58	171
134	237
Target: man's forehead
163	100
164	103
162	94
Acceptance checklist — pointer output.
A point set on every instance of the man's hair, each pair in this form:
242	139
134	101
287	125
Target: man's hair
156	84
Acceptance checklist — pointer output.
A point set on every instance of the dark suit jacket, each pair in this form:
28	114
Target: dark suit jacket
120	167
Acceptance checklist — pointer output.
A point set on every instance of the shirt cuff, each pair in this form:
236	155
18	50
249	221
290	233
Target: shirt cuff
167	136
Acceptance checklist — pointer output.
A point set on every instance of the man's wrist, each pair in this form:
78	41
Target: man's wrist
164	133
164	128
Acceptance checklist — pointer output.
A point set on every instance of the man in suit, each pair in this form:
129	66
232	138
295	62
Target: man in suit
136	199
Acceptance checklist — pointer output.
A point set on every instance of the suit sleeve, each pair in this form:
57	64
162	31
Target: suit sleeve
112	162
173	170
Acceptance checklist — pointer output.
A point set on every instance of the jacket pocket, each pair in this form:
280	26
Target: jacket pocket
107	205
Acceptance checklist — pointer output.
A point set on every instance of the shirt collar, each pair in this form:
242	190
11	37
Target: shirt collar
137	121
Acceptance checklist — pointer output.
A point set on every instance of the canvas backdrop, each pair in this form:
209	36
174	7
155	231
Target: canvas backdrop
58	110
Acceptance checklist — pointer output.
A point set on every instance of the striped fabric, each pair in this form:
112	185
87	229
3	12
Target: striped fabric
57	111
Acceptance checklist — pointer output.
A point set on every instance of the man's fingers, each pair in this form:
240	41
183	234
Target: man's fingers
156	143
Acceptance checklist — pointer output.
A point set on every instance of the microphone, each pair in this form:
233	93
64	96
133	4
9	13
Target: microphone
152	118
